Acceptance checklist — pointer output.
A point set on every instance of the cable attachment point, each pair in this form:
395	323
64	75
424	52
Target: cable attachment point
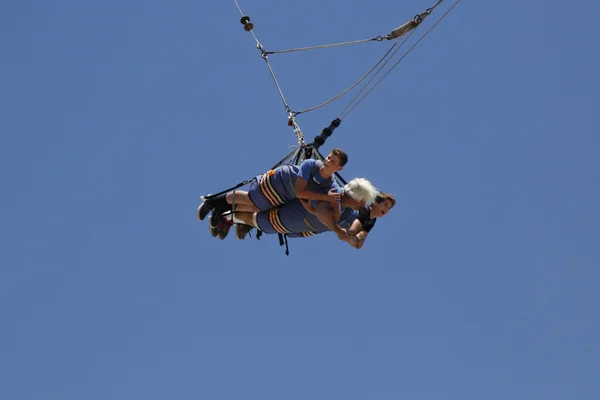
248	26
308	151
291	116
409	26
403	29
430	9
292	122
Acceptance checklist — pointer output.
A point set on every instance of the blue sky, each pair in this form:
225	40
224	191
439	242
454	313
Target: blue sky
481	283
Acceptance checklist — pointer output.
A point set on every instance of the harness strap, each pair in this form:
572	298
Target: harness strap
282	241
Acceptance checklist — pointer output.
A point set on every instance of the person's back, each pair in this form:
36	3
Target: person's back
275	187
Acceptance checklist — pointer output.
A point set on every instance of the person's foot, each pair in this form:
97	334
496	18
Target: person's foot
204	209
215	218
242	230
213	231
223	227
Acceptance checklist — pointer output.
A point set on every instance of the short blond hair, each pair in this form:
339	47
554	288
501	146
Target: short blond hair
361	189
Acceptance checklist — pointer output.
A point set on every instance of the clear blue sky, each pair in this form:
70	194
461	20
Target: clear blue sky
481	284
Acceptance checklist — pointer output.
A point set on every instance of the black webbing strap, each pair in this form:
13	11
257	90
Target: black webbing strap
283	240
291	155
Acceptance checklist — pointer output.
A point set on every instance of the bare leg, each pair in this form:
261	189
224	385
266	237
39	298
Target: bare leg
245	207
245	216
325	215
242	201
323	212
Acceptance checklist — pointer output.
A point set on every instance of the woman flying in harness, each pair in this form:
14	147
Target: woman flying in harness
294	220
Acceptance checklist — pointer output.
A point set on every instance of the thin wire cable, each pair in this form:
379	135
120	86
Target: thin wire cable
324	46
264	56
243	15
352	86
379	70
287	107
238	6
402	58
345	112
369	72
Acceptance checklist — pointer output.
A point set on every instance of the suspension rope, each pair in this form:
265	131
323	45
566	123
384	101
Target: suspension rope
325	46
430	9
249	27
351	87
342	114
404	55
238	6
266	58
398	33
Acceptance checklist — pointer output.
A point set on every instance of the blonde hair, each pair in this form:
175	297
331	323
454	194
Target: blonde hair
361	189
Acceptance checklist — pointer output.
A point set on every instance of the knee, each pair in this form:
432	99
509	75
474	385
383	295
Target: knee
238	196
229	197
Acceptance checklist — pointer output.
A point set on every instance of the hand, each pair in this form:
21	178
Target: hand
344	236
333	196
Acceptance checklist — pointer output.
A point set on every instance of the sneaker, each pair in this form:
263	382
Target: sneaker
223	228
213	231
215	218
204	209
242	230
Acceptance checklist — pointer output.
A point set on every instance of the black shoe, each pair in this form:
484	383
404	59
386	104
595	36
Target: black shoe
215	218
204	209
213	231
212	203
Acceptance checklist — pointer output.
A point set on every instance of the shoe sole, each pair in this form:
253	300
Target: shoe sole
215	219
223	232
213	231
240	232
198	213
203	211
223	229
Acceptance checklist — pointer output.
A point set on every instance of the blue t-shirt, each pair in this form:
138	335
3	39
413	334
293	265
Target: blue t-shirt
309	171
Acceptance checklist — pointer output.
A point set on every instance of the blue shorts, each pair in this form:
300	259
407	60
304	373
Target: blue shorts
274	188
290	219
294	220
